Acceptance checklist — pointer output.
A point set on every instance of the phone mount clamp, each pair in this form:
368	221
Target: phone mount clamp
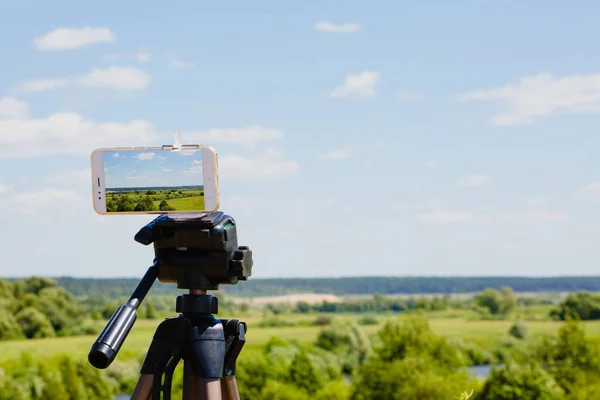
198	253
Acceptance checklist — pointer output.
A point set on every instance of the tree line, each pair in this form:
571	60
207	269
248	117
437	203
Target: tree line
347	286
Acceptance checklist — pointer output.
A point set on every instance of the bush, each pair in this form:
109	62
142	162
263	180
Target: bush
323	320
472	352
514	382
9	326
347	341
411	378
274	390
414	337
334	390
368	320
275	322
519	330
34	324
579	305
55	378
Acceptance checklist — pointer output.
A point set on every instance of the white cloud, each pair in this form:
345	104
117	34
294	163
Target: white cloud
65	133
4	189
196	162
325	26
532	216
167	170
590	192
243	204
72	38
445	217
541	95
271	164
473	180
398	206
193	170
140	56
410	96
41	85
250	135
118	78
358	85
377	145
430	164
78	177
531	201
143	57
336	154
13	109
145	157
116	155
176	63
32	202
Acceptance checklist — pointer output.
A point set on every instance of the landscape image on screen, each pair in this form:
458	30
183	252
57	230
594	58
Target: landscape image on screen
154	181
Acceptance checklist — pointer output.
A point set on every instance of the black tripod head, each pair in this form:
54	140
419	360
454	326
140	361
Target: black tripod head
197	252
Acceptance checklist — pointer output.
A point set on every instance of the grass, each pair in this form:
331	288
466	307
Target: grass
187	203
138	340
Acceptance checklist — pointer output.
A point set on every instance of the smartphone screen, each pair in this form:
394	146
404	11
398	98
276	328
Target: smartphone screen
155	180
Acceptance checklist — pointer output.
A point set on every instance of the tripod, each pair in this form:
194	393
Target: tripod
197	254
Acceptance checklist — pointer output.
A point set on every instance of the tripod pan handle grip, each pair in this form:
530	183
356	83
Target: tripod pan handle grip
106	347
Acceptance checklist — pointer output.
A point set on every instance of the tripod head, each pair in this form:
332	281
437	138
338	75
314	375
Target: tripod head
197	253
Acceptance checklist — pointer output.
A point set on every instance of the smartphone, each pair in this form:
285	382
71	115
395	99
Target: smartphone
155	180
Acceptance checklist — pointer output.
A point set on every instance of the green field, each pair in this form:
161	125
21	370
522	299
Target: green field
188	203
135	199
483	332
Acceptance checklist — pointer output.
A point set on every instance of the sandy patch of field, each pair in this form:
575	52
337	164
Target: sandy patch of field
310	298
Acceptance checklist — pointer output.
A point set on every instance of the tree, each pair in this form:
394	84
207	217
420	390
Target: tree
303	374
518	330
6	289
34	324
509	300
35	284
490	299
148	204
125	203
274	390
414	337
345	339
164	206
150	311
9	326
64	313
411	378
302	307
580	305
515	382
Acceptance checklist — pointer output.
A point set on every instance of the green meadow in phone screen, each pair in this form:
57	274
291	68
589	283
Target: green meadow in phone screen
154	181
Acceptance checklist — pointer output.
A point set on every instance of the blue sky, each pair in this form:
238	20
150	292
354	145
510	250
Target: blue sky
152	168
354	138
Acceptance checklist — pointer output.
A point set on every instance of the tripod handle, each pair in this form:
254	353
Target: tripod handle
106	347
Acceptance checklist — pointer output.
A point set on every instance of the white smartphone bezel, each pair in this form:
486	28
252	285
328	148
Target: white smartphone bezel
209	170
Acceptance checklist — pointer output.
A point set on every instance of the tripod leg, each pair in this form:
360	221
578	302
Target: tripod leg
195	388
229	388
143	388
